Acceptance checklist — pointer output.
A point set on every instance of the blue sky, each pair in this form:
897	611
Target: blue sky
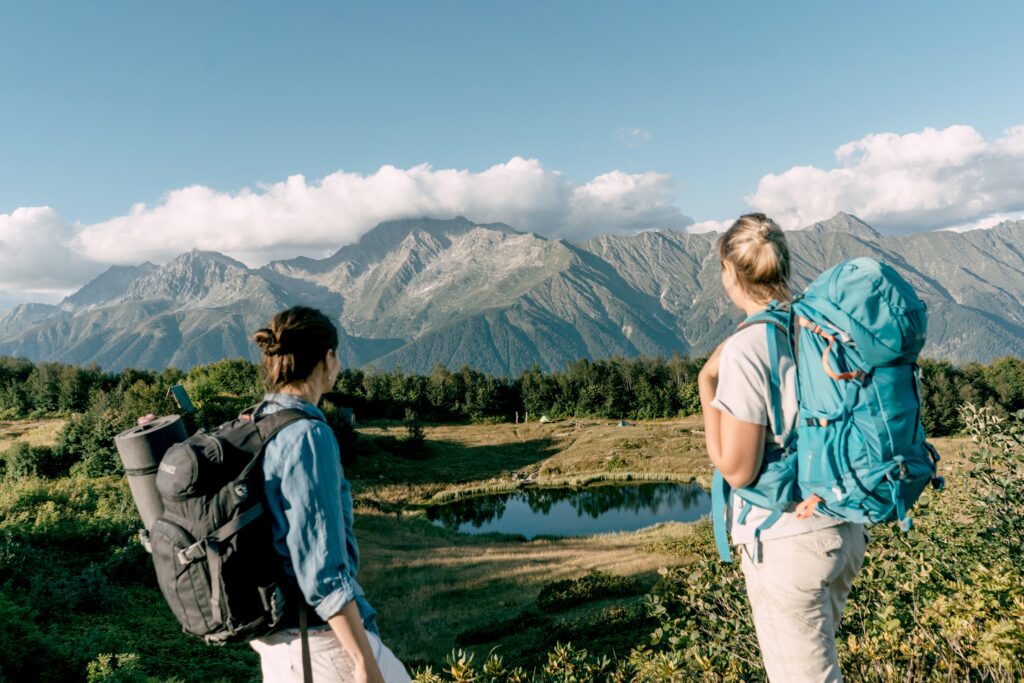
109	104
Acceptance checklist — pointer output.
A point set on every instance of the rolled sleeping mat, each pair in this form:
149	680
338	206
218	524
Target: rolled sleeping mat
141	449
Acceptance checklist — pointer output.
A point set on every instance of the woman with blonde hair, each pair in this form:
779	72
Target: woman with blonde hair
798	569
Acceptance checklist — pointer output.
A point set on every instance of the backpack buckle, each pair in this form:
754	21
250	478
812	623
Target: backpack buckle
193	552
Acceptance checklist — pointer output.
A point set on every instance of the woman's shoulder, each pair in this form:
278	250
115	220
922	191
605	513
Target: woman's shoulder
304	434
749	343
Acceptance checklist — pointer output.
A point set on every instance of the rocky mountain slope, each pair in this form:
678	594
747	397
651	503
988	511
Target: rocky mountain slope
415	293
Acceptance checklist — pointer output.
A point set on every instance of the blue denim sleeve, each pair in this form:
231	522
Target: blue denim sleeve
311	487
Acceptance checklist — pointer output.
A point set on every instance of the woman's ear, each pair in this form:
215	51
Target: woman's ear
728	275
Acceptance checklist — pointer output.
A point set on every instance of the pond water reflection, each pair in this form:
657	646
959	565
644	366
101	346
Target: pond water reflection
574	512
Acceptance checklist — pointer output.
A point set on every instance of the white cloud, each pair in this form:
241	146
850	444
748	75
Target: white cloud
988	222
902	183
299	217
35	257
711	226
629	202
634	137
42	256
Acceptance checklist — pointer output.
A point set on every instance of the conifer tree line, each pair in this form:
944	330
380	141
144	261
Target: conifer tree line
99	404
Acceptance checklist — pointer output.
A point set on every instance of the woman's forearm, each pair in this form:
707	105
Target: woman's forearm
348	628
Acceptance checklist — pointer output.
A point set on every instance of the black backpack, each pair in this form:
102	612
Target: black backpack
212	547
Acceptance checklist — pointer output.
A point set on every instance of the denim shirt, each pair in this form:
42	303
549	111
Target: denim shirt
311	504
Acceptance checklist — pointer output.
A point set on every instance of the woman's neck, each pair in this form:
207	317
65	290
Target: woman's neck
302	391
750	306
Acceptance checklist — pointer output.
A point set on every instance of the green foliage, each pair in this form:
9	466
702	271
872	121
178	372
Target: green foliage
22	460
616	463
615	388
22	642
115	668
998	472
221	390
76	583
634	388
499	628
595	585
1006	377
945	387
619	627
414	440
88	438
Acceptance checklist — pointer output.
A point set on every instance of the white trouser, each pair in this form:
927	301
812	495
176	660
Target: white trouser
281	658
797	592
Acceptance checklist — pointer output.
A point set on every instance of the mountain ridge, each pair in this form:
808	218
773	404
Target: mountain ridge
417	292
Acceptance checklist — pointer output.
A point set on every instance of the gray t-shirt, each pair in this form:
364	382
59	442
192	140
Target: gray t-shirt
744	391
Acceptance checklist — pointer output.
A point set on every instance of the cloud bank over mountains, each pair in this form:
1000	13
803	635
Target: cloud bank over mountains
297	217
905	183
950	178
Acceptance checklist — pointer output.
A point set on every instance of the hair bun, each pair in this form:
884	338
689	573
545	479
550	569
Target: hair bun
267	341
764	231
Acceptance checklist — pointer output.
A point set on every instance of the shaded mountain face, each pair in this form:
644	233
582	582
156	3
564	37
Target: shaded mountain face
415	293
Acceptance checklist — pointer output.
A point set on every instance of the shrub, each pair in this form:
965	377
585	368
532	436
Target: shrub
22	642
414	440
618	627
87	440
115	668
22	460
500	628
560	595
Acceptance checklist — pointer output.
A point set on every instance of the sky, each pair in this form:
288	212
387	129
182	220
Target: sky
134	131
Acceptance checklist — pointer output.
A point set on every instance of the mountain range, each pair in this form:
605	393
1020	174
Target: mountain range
415	293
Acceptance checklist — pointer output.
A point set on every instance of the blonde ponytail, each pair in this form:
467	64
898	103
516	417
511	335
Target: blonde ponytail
756	247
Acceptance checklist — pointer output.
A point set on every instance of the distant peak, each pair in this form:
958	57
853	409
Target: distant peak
1009	225
200	256
380	240
845	222
106	287
456	223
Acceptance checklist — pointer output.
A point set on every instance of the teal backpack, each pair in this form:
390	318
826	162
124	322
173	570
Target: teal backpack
857	451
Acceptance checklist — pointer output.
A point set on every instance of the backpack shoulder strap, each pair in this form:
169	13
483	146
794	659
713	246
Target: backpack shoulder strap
252	431
269	425
776	314
775	317
719	511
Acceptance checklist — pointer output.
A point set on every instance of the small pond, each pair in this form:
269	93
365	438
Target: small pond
574	511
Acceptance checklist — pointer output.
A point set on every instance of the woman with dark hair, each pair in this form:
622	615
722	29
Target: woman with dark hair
311	504
800	569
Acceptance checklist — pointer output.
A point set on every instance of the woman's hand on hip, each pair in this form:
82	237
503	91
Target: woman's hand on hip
368	672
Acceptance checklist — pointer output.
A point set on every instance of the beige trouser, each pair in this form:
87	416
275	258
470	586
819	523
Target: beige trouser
797	592
281	658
